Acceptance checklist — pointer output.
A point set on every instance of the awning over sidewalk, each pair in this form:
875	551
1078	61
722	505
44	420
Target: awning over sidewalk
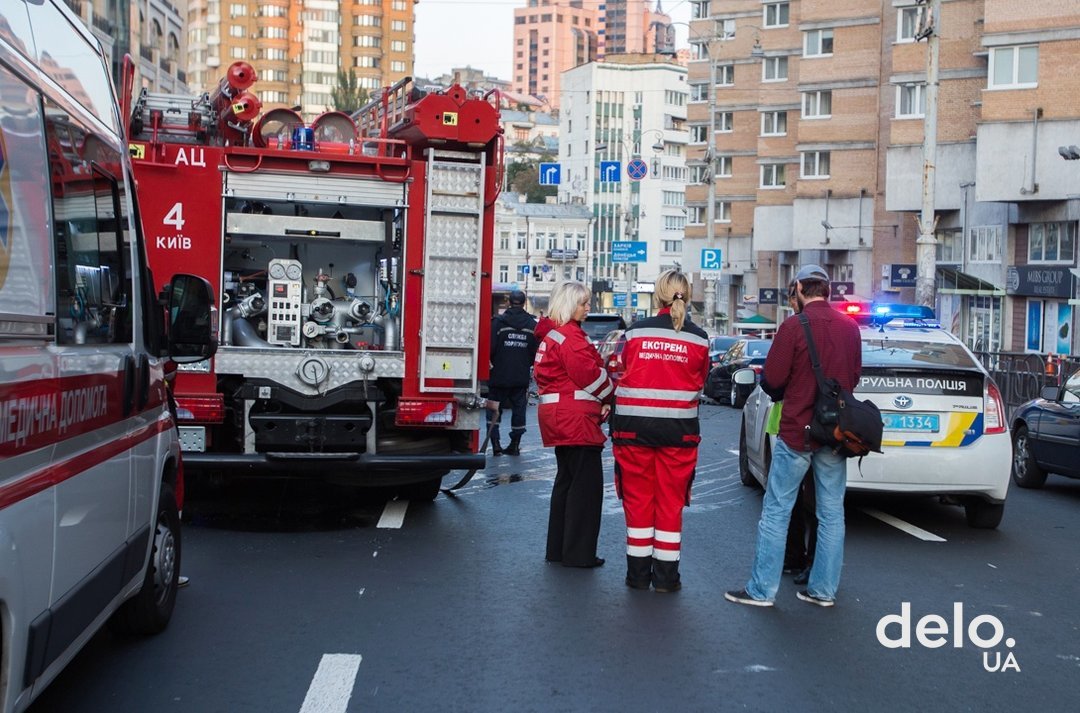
951	281
755	321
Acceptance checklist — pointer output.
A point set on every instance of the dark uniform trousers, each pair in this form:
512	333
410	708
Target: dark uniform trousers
576	500
517	397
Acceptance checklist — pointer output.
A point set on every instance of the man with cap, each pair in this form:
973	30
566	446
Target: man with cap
789	375
513	346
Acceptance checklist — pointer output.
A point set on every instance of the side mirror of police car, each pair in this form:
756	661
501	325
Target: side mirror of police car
192	319
745	377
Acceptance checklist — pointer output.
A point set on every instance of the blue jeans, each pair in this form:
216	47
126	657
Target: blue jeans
786	472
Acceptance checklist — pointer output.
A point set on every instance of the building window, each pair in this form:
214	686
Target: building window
725	29
671	246
776	14
236	30
699	134
367	41
773	175
522	241
397	45
674	222
907	23
725	75
236	52
1052	242
950	246
397	25
504	273
367	20
817	105
1014	67
910	101
397	66
723	212
723	166
725	121
399	5
774	69
699	173
699	9
237	9
699	50
699	92
985	244
774	123
504	240
815	164
695	215
817	43
674	199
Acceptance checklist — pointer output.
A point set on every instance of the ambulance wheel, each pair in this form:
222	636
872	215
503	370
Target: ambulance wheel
745	475
149	610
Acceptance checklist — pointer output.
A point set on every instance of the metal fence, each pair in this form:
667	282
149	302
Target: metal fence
1021	377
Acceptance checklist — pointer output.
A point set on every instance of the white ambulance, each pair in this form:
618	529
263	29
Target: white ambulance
89	528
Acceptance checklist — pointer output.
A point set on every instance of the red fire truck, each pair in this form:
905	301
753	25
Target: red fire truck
352	262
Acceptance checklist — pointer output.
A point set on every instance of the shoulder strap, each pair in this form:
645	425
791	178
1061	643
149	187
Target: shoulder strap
812	348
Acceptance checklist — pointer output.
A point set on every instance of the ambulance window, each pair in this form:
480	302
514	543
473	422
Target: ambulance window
25	250
93	271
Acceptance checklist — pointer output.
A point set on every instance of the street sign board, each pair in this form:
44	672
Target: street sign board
768	295
619	299
711	259
710	274
902	275
610	172
550	174
629	251
637	169
838	291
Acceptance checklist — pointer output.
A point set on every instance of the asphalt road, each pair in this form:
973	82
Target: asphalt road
301	601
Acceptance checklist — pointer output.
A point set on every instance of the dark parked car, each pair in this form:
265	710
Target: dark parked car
1046	435
598	324
611	349
718	345
742	354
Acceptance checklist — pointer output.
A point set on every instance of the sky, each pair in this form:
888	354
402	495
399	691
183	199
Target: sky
480	33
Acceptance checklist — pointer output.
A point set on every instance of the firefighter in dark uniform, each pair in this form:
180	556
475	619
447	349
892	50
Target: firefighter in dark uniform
655	431
513	346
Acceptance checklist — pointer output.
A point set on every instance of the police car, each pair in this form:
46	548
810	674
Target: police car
946	431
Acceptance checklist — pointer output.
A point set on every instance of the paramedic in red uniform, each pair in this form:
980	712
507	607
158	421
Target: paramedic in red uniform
575	398
656	432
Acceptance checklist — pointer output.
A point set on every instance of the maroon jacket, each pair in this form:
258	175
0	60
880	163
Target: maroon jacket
788	367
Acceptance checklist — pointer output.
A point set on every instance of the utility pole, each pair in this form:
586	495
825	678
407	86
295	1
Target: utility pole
710	208
926	245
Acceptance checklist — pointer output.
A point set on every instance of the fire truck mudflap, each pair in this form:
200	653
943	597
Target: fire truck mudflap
354	274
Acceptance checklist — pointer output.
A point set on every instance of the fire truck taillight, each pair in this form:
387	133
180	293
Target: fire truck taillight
426	413
200	409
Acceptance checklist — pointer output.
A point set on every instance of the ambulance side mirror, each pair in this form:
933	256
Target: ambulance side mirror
192	319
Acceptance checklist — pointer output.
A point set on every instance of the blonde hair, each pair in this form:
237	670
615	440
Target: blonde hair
565	298
673	290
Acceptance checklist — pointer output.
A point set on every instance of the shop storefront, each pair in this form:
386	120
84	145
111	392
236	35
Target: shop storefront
1044	299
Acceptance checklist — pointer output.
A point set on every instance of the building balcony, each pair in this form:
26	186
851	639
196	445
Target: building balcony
562	255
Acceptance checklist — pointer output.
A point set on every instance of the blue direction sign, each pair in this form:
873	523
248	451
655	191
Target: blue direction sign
629	251
619	299
637	169
550	174
610	172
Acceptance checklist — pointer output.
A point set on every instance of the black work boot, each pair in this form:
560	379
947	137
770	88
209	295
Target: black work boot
496	447
666	576
638	572
515	441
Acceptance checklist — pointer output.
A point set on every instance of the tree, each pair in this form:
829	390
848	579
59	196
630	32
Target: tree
348	96
524	177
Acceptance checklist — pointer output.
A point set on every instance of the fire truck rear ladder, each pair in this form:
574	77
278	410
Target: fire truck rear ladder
453	229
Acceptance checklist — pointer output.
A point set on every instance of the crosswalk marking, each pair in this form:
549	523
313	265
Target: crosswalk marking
332	686
393	516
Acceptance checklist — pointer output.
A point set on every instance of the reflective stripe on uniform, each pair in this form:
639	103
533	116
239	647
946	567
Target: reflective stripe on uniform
549	398
665	555
640	550
657	394
665	536
668	334
656	411
596	384
578	396
639	532
557	337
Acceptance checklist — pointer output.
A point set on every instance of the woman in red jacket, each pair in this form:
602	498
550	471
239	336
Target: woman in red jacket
575	395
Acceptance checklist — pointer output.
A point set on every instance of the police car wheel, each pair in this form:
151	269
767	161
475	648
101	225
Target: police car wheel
745	476
149	610
982	514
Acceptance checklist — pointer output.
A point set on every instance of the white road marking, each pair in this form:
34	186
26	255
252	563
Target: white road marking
733	451
393	515
332	686
904	526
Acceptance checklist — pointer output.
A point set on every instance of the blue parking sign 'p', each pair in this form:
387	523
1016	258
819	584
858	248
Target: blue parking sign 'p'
550	174
710	259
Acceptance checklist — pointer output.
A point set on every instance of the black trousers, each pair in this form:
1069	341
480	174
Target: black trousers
576	500
518	399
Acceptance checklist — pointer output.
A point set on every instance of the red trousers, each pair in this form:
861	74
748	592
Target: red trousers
654	484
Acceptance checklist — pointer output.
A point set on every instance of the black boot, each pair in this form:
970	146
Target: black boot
496	447
515	441
666	576
638	572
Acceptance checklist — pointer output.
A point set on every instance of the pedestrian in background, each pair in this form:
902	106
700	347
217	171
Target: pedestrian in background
575	398
513	347
788	367
656	432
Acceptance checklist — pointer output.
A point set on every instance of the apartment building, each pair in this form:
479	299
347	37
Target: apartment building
629	106
550	37
632	27
297	48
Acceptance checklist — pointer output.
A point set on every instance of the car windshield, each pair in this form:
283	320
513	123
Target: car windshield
598	327
1072	388
908	352
721	344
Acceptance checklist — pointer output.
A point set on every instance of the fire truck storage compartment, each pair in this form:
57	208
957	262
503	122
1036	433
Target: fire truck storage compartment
311	275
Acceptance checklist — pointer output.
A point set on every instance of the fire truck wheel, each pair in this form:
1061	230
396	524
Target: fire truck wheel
149	610
417	492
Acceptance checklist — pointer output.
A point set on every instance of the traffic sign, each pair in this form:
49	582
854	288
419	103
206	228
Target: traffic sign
637	169
619	299
550	174
610	172
629	251
711	258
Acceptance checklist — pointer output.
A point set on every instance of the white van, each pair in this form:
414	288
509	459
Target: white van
89	528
